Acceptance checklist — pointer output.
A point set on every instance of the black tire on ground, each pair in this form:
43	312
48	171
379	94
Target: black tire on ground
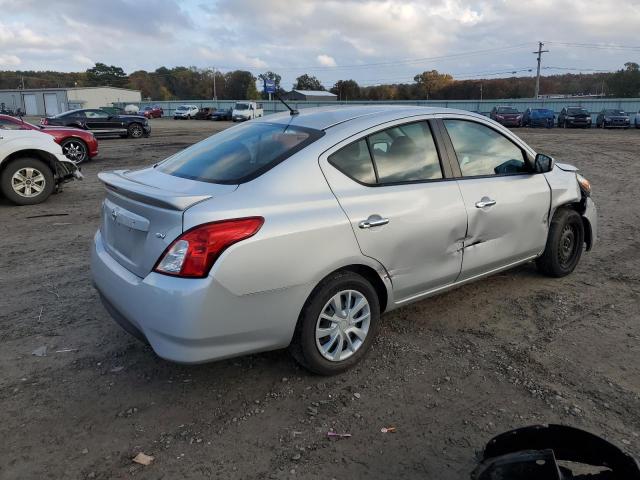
303	346
135	131
564	244
566	124
34	174
75	150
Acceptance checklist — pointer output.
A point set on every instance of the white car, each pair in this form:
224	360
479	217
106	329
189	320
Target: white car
32	166
246	111
185	112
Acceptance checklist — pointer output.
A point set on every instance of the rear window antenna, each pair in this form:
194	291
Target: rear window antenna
292	111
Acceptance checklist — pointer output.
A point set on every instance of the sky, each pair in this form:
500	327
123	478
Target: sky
370	41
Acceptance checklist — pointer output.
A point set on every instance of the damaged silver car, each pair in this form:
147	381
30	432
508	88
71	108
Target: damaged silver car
301	230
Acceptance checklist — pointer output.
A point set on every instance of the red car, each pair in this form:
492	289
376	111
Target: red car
77	145
151	112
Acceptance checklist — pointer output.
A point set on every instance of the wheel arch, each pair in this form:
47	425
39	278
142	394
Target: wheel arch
46	157
367	272
579	208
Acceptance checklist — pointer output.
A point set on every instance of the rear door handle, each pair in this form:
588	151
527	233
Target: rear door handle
373	221
485	202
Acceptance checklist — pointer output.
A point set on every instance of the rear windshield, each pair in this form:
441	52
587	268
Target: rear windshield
507	110
239	154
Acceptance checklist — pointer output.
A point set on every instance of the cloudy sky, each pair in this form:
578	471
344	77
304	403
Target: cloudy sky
371	41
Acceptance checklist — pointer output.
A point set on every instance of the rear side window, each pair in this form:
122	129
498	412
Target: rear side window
405	153
483	151
354	161
239	154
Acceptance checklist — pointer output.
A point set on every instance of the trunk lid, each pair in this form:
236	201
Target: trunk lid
142	213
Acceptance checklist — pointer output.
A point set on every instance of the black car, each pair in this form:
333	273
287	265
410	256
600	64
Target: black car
222	114
101	122
613	118
574	117
204	113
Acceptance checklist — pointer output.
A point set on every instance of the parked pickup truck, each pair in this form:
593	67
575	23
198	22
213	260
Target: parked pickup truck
246	111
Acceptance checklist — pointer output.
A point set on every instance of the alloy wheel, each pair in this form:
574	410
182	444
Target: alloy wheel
343	325
74	151
136	131
28	182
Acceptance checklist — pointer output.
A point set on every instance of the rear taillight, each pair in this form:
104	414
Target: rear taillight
194	252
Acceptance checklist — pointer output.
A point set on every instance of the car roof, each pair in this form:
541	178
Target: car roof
323	118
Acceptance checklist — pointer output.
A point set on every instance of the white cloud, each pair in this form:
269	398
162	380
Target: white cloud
9	61
326	60
332	39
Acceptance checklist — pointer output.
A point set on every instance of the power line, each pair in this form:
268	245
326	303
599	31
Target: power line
389	63
597	46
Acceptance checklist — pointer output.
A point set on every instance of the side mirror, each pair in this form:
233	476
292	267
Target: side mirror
543	163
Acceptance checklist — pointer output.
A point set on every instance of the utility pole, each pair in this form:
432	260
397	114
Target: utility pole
539	53
215	95
480	91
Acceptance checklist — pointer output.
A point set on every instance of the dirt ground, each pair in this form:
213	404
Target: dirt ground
449	372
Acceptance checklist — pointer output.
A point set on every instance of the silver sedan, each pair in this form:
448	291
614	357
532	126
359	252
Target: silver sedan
300	230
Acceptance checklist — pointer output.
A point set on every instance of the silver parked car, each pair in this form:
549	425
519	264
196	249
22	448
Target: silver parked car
301	230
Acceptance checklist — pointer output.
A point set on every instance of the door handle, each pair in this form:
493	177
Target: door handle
373	221
485	202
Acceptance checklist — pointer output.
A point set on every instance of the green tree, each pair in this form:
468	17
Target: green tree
238	84
431	82
626	82
346	90
103	75
307	82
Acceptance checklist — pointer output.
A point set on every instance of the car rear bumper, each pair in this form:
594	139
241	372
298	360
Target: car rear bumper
194	320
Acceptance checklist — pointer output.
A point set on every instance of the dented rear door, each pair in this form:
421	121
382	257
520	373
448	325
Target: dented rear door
424	224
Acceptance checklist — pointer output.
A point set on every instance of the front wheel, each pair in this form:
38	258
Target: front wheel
27	181
135	130
564	244
337	324
75	150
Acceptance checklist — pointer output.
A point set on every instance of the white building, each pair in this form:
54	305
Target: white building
50	101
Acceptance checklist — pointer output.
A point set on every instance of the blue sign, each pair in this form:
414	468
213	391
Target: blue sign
269	86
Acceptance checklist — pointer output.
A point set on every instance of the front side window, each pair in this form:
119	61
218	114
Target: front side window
239	154
96	114
483	151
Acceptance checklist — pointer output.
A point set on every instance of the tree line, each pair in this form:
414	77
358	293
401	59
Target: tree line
184	83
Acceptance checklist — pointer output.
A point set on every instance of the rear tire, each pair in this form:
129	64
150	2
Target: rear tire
350	328
564	244
27	181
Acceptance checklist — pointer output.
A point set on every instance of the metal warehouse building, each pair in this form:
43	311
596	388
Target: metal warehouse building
310	95
50	101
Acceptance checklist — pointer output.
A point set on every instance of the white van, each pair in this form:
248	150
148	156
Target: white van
246	111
